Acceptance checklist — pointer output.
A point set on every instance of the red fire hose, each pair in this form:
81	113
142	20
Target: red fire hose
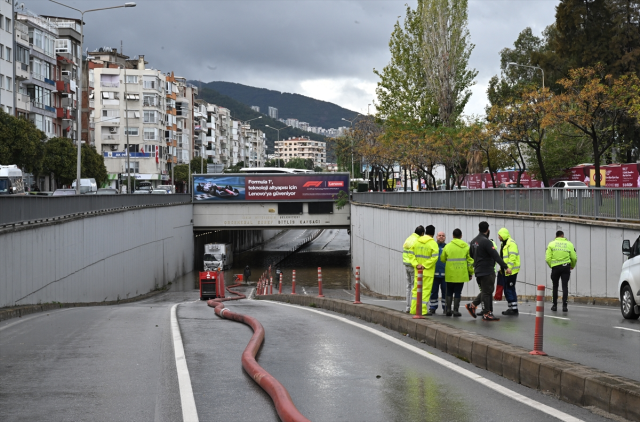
287	411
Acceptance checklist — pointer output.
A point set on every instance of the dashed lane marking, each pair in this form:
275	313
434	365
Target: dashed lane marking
189	412
547	316
464	372
628	329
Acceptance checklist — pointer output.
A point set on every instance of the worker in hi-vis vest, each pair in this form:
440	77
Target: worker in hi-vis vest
426	252
561	257
458	270
409	261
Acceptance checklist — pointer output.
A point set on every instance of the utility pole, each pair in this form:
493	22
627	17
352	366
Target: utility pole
126	129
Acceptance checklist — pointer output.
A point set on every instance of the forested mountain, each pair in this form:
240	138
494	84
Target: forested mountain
305	109
243	112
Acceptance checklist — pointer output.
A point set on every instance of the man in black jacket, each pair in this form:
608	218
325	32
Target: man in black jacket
485	256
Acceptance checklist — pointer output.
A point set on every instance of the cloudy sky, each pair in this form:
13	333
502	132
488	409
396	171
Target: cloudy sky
325	49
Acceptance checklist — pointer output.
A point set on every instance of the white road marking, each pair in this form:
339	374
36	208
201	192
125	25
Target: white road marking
547	316
348	292
304	291
189	412
449	365
629	329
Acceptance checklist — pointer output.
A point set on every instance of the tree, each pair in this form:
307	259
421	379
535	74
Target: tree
446	49
482	140
60	158
198	165
276	162
297	163
21	143
594	104
181	173
93	165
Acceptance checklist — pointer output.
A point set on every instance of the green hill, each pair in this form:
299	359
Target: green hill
243	112
295	106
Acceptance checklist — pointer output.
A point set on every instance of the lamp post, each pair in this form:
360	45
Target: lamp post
247	121
278	159
532	67
79	132
351	123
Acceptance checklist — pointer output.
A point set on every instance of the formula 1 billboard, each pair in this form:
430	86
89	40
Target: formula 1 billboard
269	187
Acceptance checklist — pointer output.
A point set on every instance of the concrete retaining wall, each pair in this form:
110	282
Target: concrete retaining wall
566	380
100	258
378	233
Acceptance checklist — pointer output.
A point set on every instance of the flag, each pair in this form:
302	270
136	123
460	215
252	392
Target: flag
157	155
142	149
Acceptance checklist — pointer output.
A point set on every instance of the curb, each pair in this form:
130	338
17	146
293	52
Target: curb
569	381
20	311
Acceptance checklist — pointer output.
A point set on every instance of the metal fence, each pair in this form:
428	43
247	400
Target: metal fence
20	209
596	203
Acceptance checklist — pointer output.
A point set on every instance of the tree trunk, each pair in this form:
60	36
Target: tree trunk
405	179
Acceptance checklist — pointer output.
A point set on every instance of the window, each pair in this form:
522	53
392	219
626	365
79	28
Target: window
8	57
9	84
7	24
132	131
22	55
133	96
132	79
132	114
1	81
150	100
1	21
150	134
110	115
151	82
150	116
1	51
108	95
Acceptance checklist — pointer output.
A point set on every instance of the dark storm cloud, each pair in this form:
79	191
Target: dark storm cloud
281	44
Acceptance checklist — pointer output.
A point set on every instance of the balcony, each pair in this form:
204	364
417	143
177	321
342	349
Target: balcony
22	71
24	102
69	102
111	137
110	84
209	152
63	113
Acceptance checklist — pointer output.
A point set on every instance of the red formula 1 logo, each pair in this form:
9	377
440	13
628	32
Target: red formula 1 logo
337	184
312	184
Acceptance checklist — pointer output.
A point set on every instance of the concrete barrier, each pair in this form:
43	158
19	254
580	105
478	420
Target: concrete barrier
569	381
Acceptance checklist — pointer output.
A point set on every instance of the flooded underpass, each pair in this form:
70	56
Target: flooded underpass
329	250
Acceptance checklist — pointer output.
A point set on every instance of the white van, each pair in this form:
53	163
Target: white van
168	188
11	182
629	282
86	186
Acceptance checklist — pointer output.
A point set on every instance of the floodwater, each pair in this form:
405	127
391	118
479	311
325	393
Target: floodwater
329	251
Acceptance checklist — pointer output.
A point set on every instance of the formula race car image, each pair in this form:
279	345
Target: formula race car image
213	189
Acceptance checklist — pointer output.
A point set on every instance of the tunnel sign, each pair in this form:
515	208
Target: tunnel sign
269	187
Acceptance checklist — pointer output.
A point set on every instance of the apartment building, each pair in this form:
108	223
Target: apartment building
185	120
200	128
256	142
302	147
292	122
7	78
255	108
36	72
131	106
273	113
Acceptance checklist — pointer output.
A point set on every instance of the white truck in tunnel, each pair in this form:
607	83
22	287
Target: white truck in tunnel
218	255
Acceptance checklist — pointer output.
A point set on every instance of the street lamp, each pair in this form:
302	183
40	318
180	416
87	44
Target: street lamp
247	121
278	159
532	67
351	123
79	134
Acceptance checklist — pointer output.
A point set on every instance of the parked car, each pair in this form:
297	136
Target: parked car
107	191
511	185
86	186
141	192
159	192
570	189
629	283
63	192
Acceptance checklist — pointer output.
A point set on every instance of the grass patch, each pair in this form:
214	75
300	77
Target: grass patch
463	358
312	305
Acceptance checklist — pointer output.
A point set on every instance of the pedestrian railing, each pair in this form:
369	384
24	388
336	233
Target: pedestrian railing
597	203
32	208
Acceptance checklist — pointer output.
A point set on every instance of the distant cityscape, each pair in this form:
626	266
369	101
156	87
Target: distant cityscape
295	123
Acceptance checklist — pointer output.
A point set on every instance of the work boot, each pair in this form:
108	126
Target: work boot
564	308
456	305
448	306
510	312
554	307
431	312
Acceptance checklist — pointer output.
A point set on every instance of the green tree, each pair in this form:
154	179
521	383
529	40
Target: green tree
446	49
93	165
276	162
21	143
181	173
60	158
297	163
318	169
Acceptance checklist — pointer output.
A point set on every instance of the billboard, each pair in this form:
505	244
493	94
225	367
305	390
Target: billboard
238	187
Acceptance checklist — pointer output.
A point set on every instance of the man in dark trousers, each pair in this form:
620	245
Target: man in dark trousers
247	274
485	256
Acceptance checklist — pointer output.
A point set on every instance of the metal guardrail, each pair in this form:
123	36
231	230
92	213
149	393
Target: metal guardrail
595	203
31	208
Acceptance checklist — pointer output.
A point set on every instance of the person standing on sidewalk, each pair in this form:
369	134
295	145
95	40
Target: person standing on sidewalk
426	253
409	261
459	269
438	279
485	256
509	254
561	257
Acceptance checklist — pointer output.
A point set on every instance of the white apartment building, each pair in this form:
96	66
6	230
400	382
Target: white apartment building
133	107
302	147
292	122
257	145
255	108
7	73
200	129
273	113
185	120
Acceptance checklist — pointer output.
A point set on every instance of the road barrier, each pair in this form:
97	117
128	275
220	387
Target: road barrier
280	286
293	283
418	314
270	285
320	282
537	338
357	301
